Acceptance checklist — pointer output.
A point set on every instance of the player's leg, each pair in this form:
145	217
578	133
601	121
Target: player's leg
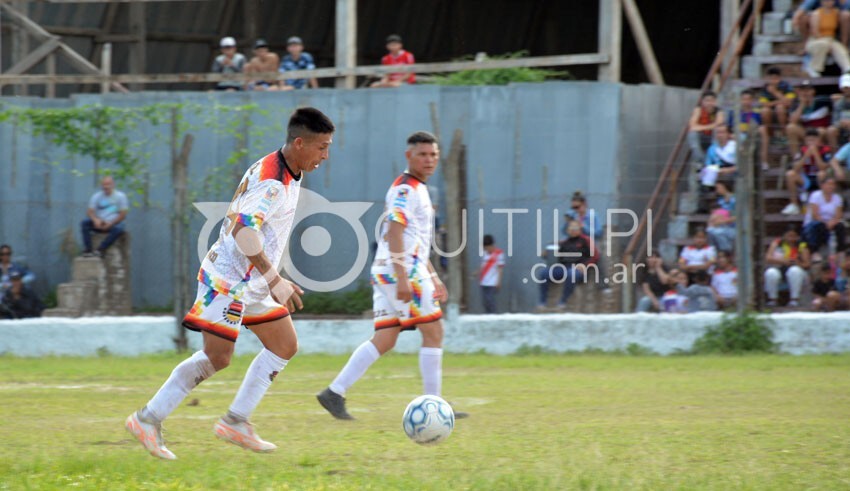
431	357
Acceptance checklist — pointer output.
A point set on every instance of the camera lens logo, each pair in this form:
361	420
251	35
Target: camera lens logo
315	240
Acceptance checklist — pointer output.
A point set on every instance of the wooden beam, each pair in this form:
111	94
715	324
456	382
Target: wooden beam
371	70
346	40
115	1
50	68
610	38
647	55
138	26
250	14
22	20
34	57
105	66
103	35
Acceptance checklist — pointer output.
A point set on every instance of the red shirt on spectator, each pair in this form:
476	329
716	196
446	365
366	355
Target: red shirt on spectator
403	58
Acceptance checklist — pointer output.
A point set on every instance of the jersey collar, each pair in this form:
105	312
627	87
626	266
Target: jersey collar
283	161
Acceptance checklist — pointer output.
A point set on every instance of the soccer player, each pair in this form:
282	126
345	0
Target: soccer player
240	285
406	289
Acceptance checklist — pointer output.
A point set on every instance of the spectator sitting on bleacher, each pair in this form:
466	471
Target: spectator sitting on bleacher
653	285
802	178
824	215
19	302
8	268
720	160
721	229
699	256
802	19
789	258
724	281
581	213
839	132
838	165
750	116
297	59
827	298
396	56
672	301
704	119
776	98
807	112
577	256
229	61
822	29
699	294
106	213
264	61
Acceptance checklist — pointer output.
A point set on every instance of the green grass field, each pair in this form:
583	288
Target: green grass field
538	422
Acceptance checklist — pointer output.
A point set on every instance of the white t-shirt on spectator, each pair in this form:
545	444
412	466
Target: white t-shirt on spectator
827	209
726	283
695	256
490	265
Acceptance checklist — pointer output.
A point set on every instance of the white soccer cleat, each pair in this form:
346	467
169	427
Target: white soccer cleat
242	434
149	435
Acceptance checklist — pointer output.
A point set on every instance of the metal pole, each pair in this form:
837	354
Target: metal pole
743	211
106	66
346	41
610	38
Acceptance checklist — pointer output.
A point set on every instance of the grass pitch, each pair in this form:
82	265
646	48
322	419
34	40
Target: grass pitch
538	422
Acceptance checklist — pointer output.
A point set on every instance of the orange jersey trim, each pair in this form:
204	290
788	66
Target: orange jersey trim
197	324
422	319
271	315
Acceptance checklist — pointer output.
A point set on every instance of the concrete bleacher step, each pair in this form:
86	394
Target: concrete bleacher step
79	295
783	5
753	66
776	44
61	312
773	23
88	269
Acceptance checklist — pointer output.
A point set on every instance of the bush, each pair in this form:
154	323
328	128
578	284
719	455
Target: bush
736	334
352	302
498	76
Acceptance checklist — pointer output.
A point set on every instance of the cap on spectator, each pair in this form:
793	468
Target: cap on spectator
294	40
844	81
15	275
393	38
261	43
805	84
228	42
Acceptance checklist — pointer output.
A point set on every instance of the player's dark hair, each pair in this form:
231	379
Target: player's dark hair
812	132
421	137
308	121
701	277
578	196
488	240
774	70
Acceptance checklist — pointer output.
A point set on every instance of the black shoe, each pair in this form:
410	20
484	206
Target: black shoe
334	403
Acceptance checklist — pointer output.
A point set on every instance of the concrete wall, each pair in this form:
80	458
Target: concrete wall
797	333
529	146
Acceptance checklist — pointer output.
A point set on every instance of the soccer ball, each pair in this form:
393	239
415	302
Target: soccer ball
428	420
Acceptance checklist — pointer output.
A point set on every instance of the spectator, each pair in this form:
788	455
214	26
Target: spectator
576	257
827	297
19	302
297	59
724	281
721	229
654	285
699	294
839	132
802	178
490	276
821	42
673	301
229	61
699	256
396	56
807	112
802	19
7	268
719	162
704	119
591	226
264	61
824	215
750	117
776	98
106	213
787	258
837	165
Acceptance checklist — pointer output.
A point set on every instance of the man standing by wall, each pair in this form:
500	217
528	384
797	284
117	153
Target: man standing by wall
490	277
106	214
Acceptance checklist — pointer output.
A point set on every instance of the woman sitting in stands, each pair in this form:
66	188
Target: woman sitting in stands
786	258
823	26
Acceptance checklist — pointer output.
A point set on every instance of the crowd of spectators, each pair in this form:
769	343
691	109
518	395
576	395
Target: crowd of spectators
264	60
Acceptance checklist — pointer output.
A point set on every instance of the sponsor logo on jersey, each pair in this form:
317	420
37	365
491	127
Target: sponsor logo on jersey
233	312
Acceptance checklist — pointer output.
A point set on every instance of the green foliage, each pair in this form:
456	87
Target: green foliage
51	300
351	302
498	76
736	334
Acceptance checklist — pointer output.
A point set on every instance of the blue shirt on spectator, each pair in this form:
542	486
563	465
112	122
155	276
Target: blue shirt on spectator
6	274
585	223
304	62
843	154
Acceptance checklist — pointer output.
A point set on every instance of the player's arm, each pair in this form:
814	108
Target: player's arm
282	291
440	290
395	240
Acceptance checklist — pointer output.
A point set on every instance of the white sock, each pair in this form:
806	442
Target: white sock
431	368
258	379
360	361
185	376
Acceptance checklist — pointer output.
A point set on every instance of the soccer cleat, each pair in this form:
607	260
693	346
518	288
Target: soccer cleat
149	435
334	403
793	303
243	435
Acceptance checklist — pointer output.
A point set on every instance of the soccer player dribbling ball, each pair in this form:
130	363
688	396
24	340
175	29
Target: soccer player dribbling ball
406	289
239	284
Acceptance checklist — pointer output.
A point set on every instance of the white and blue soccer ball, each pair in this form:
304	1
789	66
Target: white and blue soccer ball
428	420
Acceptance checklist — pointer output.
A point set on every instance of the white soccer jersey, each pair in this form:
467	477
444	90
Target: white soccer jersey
264	201
407	202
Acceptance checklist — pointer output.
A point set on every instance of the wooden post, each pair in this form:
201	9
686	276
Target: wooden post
610	38
729	10
105	66
20	44
454	223
250	12
50	63
138	49
179	226
346	40
647	55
